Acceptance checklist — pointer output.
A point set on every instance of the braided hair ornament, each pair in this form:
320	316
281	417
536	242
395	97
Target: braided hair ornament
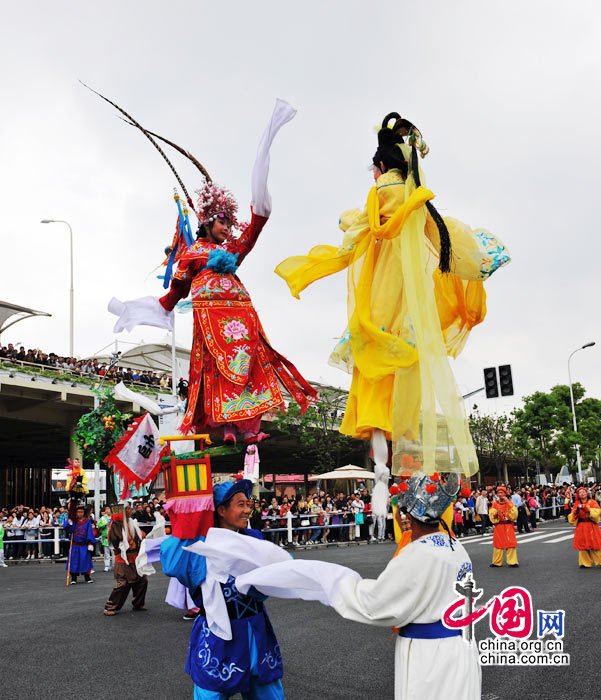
390	154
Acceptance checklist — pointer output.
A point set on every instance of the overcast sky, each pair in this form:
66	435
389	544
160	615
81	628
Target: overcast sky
507	96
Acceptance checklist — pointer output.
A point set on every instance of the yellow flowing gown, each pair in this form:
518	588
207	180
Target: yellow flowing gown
405	318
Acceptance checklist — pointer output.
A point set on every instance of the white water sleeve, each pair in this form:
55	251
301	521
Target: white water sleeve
305	579
261	200
146	311
125	394
228	553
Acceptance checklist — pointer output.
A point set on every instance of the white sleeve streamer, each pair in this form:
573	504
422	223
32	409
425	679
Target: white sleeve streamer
146	311
229	554
150	550
125	394
261	199
305	579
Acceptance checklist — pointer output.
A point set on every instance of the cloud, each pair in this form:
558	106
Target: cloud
507	96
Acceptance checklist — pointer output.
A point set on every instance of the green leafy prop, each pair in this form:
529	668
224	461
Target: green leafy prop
98	431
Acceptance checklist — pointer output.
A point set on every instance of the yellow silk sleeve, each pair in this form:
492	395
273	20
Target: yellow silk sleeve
300	271
573	519
476	252
513	513
461	305
493	515
348	218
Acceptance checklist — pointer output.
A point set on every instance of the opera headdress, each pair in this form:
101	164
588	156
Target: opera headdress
427	497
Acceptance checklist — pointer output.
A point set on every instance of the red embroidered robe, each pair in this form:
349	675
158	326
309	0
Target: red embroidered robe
235	374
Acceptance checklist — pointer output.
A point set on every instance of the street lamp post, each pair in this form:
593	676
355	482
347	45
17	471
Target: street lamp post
578	459
61	221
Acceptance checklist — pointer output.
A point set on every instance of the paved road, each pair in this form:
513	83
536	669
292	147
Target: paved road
55	642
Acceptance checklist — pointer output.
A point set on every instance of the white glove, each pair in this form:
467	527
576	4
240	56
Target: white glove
146	311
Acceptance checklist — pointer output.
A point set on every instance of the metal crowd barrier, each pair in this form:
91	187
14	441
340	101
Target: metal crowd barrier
289	529
56	538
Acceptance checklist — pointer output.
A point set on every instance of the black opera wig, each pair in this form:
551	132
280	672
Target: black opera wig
390	156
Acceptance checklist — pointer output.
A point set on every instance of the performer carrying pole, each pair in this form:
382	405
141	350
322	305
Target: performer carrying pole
69	561
79	527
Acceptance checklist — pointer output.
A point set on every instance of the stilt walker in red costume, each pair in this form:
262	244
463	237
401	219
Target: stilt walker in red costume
585	516
236	376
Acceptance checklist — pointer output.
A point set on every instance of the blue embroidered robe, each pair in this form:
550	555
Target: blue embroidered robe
214	663
81	557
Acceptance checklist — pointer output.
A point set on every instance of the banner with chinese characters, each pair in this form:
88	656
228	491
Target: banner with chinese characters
136	457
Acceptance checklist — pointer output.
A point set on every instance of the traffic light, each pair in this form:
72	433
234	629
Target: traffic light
490	382
505	380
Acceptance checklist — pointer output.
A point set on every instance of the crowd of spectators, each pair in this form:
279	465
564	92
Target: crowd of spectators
534	503
318	518
328	517
86	367
29	533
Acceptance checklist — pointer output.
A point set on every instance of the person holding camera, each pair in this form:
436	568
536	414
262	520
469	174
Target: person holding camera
585	516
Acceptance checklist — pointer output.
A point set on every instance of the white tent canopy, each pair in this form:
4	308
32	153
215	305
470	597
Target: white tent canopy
7	311
350	471
152	356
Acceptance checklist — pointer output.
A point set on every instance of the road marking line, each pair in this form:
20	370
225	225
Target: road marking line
561	539
521	539
526	536
472	538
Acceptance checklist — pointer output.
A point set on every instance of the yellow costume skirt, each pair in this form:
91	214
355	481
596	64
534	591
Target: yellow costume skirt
375	404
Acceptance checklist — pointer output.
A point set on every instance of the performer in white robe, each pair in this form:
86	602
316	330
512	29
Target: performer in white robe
411	594
432	662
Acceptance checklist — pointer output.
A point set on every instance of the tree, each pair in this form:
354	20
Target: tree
317	430
545	426
98	431
492	438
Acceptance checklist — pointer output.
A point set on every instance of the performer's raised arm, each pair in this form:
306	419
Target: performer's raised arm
261	199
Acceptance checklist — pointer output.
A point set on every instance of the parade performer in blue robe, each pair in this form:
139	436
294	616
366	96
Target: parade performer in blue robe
79	529
249	662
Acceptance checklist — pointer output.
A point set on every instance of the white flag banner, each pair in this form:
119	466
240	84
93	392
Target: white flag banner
136	457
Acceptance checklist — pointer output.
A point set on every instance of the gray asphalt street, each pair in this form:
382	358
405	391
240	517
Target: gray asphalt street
55	642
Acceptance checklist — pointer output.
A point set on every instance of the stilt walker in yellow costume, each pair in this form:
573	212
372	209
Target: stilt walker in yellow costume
587	536
415	291
502	515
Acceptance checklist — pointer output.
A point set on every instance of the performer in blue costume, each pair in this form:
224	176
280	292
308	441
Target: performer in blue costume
80	557
250	662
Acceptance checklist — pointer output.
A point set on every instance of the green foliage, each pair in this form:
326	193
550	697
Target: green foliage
316	431
544	427
98	430
493	439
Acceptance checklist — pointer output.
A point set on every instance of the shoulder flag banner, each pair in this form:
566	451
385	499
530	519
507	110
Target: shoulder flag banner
136	457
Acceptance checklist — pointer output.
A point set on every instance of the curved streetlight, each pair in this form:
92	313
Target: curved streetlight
61	221
583	347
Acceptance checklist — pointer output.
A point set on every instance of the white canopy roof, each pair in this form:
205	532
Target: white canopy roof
350	471
152	356
20	313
